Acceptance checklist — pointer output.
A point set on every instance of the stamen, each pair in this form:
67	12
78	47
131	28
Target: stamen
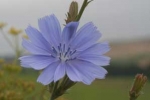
73	52
67	52
64	48
70	52
59	58
60	55
54	50
59	48
64	52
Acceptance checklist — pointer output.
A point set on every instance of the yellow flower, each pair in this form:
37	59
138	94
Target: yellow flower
2	25
14	31
25	36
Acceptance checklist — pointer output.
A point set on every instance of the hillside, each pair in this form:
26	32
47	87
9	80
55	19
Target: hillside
128	49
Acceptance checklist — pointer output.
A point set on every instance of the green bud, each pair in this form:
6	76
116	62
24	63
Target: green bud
73	12
138	84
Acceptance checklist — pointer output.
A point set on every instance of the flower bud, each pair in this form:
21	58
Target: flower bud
73	12
138	84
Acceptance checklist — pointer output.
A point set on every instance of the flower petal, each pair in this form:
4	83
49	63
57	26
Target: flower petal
96	49
47	76
86	37
37	62
94	55
50	29
69	31
99	72
72	73
95	59
60	71
25	65
36	38
87	71
34	49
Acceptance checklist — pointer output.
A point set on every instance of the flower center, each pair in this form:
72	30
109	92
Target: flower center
64	53
64	58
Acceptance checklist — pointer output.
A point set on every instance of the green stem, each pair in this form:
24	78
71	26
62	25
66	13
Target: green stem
50	87
65	85
60	90
64	80
17	49
7	39
53	96
85	3
132	99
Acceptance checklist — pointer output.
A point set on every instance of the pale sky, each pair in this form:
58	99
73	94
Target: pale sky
116	19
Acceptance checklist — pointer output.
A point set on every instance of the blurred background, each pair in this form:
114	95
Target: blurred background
125	24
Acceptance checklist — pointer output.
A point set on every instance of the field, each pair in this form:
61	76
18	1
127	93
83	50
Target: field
127	60
112	88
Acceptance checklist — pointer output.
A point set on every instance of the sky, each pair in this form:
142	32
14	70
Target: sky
116	19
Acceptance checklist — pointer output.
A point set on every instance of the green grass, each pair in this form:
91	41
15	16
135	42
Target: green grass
108	89
111	88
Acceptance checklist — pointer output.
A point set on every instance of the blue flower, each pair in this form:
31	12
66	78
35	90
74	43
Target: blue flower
77	54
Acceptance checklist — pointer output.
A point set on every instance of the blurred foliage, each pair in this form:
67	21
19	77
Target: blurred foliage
112	88
14	82
12	85
128	66
14	31
2	25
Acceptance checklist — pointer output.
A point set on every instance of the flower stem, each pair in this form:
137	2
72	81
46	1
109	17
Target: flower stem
84	5
132	98
7	39
53	96
17	49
